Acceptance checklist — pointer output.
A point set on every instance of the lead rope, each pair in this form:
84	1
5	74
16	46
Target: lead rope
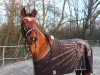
26	50
34	71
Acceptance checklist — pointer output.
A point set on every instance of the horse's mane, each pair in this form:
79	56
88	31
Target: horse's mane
47	36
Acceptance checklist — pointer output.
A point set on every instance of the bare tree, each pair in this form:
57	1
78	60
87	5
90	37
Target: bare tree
44	14
62	17
11	30
91	15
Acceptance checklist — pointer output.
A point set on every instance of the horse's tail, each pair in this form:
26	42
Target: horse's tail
88	58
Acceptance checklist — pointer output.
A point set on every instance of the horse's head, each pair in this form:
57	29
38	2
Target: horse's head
29	25
38	43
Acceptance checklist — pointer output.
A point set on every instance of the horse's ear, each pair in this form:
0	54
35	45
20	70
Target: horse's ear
23	12
34	13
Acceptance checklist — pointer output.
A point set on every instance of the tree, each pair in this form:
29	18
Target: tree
91	15
10	28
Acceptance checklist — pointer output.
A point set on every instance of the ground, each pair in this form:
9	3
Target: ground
26	67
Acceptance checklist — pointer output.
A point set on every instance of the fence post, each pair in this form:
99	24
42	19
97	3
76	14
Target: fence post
3	56
97	42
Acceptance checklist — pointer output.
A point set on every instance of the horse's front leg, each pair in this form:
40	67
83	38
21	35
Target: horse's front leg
78	72
85	72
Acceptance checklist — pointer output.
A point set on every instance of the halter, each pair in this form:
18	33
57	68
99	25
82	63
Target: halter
25	32
31	29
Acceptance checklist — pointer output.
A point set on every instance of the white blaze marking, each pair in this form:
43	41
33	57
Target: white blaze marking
29	18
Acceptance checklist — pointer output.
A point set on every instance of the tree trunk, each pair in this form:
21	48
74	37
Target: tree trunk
88	19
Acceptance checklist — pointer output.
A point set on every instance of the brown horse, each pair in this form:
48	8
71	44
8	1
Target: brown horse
52	56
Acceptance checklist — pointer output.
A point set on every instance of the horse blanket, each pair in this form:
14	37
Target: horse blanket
65	56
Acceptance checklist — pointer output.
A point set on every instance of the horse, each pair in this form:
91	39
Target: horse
53	56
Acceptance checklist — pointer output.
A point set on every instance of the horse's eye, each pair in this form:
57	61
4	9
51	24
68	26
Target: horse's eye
25	21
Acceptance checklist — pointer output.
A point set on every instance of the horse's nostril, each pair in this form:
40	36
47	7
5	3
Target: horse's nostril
31	38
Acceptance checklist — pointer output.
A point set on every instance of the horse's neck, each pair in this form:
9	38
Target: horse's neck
42	45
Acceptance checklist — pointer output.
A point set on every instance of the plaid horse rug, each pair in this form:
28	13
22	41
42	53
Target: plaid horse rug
65	56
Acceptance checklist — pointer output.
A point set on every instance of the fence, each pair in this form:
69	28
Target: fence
94	42
10	54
